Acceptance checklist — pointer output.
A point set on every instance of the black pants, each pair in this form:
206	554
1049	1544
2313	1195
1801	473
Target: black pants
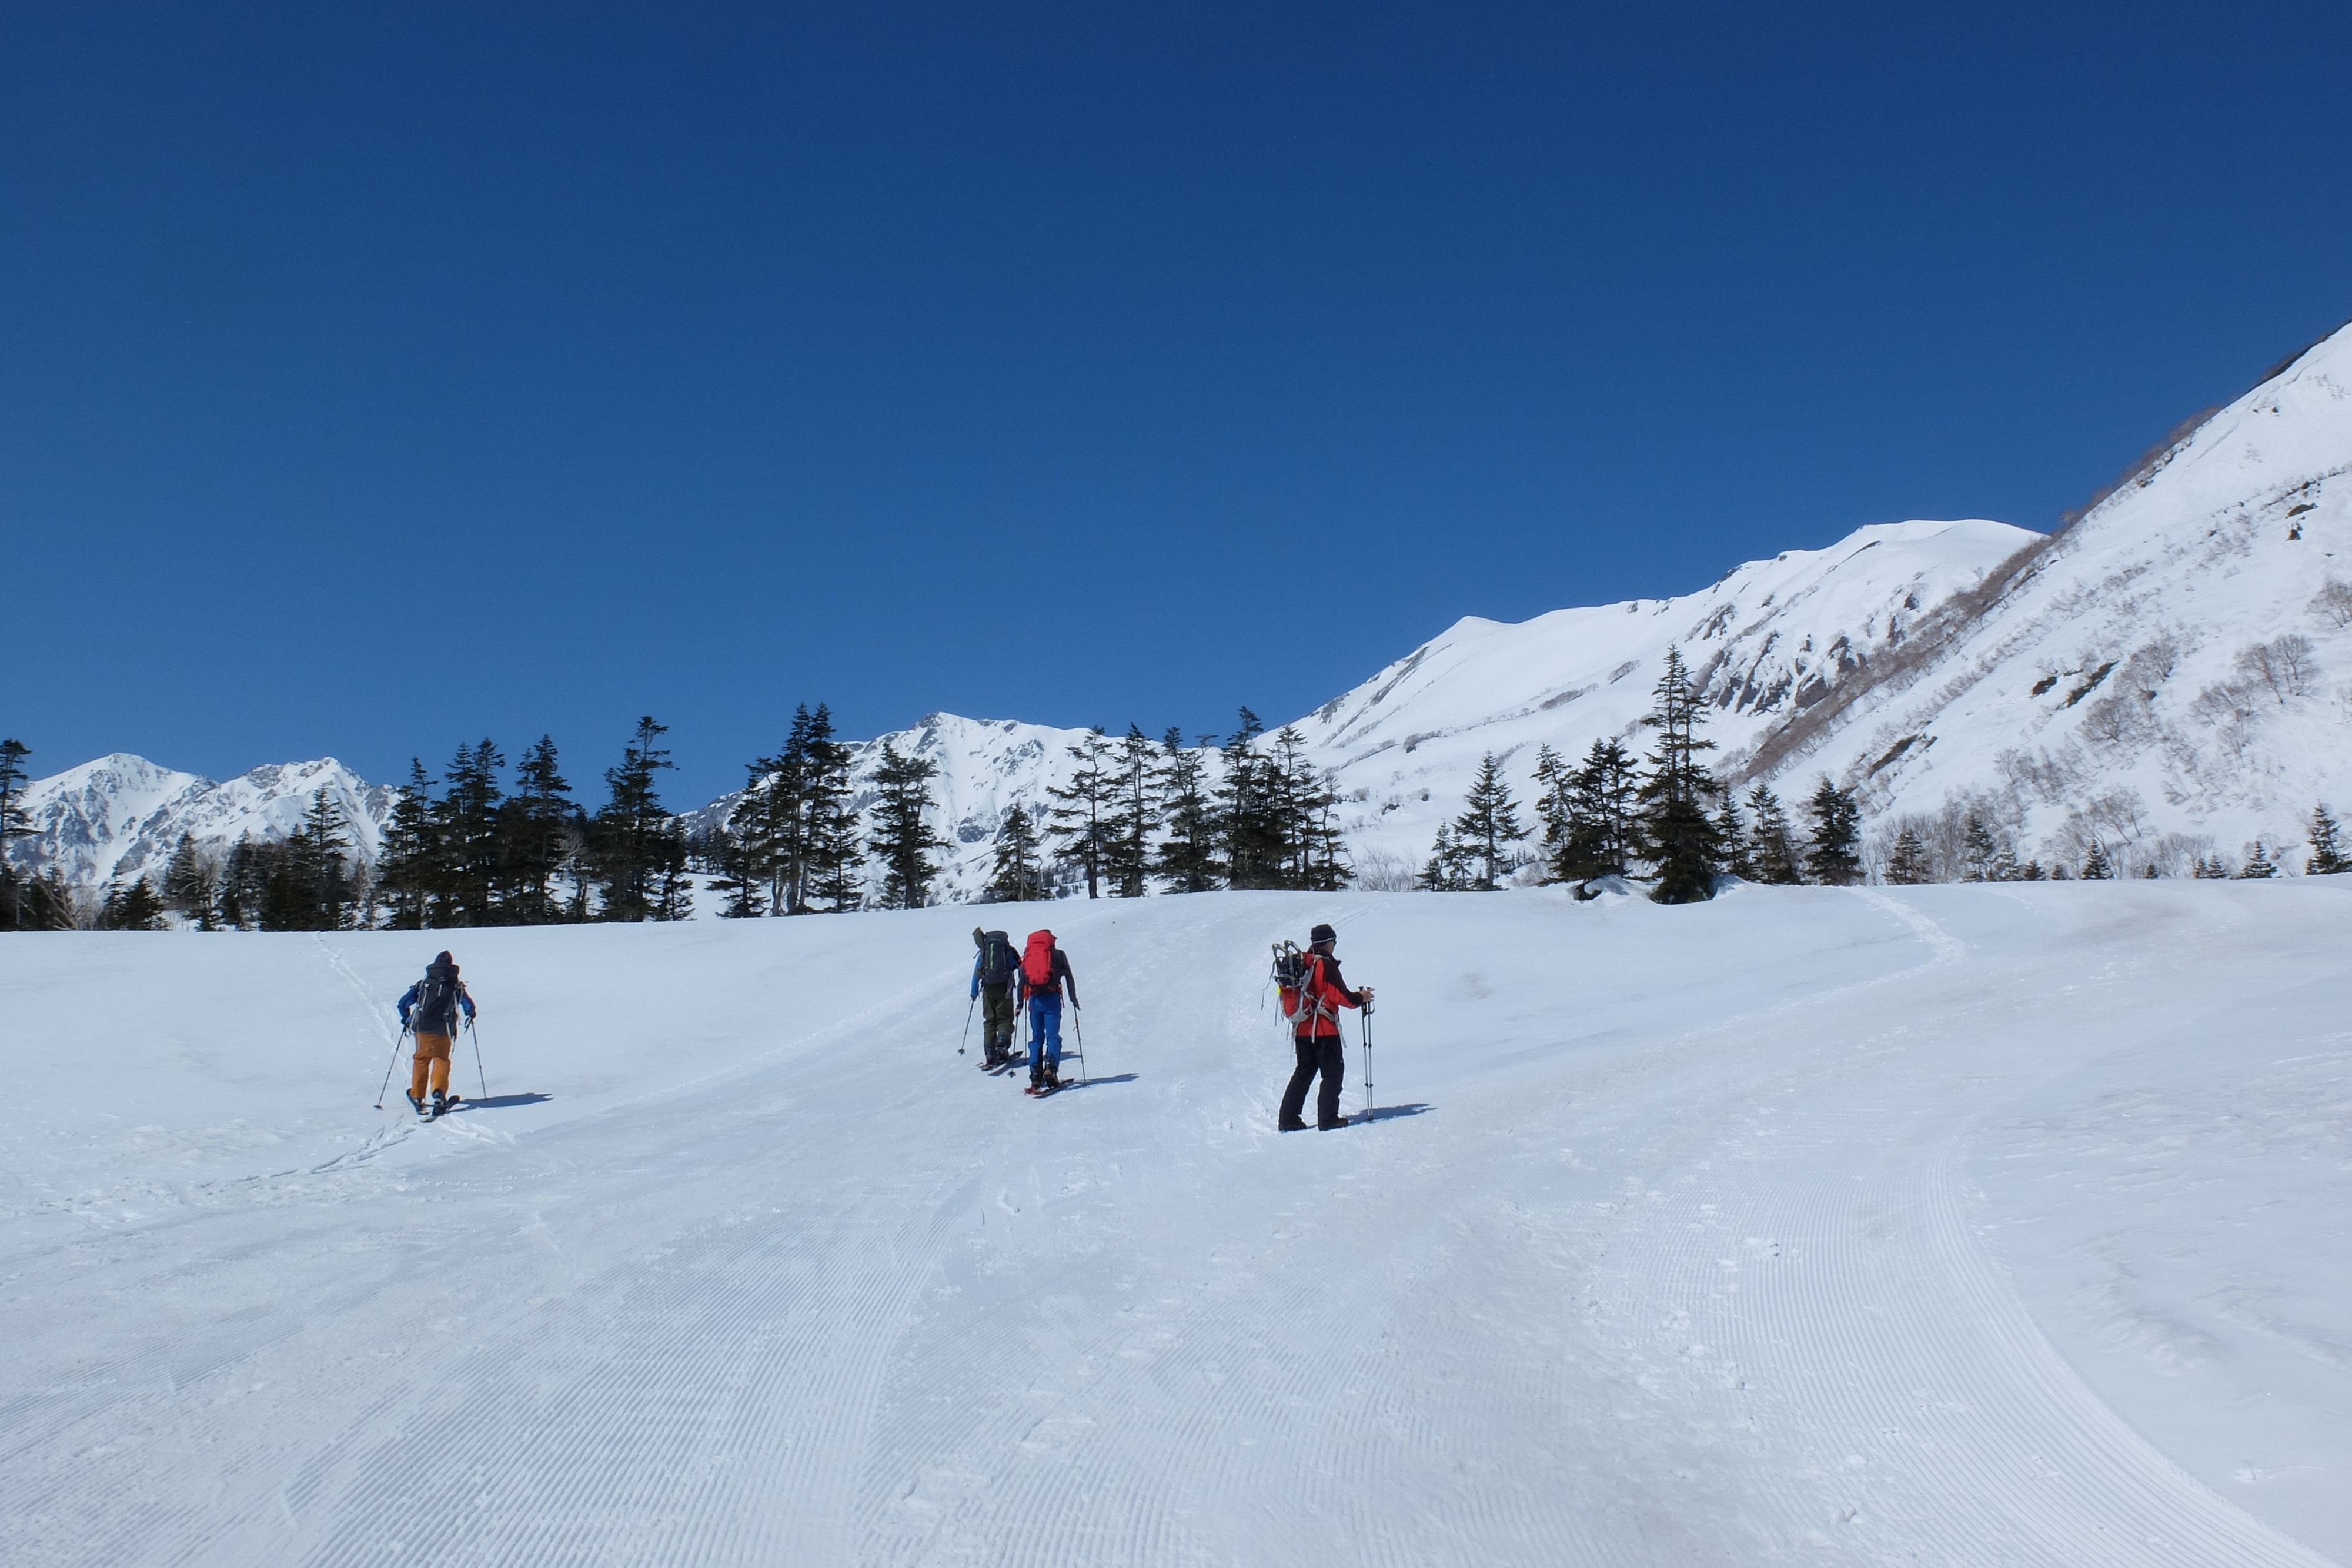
1327	1056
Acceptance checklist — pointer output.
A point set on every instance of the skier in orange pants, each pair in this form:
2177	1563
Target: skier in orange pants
431	1007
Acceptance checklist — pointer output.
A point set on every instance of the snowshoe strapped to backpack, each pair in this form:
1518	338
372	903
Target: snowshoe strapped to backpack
1038	960
997	960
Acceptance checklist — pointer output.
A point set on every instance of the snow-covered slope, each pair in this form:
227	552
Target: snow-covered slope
123	814
1959	1226
1767	641
2172	676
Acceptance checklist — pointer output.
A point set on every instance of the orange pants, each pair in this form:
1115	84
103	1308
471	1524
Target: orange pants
432	1055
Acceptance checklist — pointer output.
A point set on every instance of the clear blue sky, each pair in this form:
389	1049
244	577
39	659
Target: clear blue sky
375	377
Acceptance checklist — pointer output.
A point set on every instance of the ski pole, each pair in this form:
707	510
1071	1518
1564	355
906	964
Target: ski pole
385	1087
1079	1021
1367	1026
967	1022
484	1077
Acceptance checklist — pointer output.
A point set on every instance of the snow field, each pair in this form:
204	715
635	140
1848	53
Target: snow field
1958	1225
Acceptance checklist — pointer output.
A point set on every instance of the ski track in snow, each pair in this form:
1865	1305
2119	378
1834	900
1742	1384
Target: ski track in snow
1673	1244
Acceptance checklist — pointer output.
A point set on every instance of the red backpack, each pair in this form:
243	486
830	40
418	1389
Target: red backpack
1038	960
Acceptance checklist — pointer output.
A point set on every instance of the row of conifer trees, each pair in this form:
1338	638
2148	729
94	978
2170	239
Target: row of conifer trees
1134	815
1610	816
466	850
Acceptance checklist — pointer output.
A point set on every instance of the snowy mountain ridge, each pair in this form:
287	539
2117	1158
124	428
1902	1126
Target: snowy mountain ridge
123	815
2170	677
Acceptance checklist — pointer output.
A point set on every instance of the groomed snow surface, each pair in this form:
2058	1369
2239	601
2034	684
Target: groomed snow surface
1955	1225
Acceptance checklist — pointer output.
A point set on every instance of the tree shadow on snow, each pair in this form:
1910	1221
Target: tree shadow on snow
1411	1108
500	1102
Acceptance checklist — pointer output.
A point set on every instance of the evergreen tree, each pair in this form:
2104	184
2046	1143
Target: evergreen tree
466	835
2258	865
2096	866
1681	839
407	861
1322	852
1188	855
1551	806
780	809
45	902
673	889
1249	810
740	875
2211	869
15	915
536	836
1588	820
307	882
1834	858
189	886
1017	879
132	907
1908	865
1081	814
1774	850
1489	825
1739	851
1300	837
833	878
1981	852
241	878
1448	869
902	837
2326	855
633	834
1134	815
13	822
797	820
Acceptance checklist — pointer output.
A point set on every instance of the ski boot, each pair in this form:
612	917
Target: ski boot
440	1104
421	1113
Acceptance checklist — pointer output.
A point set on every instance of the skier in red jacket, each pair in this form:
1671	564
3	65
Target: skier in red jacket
1322	993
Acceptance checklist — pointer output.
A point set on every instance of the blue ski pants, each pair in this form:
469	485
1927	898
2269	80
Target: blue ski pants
1046	1028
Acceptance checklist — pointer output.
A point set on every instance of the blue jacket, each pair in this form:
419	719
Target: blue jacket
445	1023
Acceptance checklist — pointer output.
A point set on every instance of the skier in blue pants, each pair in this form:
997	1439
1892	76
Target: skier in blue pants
1044	970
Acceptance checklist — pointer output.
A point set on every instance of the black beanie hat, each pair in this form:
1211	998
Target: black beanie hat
1322	934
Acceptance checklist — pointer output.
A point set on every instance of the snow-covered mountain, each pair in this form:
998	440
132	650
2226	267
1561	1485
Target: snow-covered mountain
123	815
2172	676
1767	641
1764	643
